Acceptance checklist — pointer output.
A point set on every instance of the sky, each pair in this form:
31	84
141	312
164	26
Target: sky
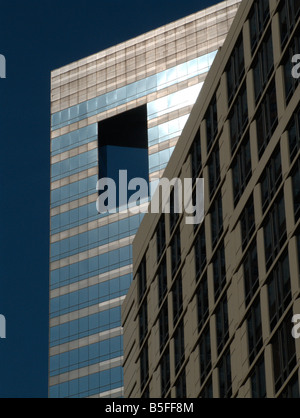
37	37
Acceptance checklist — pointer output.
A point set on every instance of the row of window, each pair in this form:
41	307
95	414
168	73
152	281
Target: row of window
284	359
90	267
95	237
279	296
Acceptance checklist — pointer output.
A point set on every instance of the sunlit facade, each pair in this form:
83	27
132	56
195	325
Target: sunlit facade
210	312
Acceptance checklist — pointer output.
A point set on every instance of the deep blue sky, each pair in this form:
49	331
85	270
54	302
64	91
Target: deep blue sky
37	37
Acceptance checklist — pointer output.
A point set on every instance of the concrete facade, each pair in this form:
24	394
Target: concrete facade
218	323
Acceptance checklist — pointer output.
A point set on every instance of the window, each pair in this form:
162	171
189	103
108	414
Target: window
263	65
202	302
211	123
181	386
288	15
144	366
274	230
279	290
142	279
177	298
222	324
259	15
200	252
214	170
219	269
165	373
179	346
174	215
251	278
163	326
291	82
247	222
196	156
205	355
296	188
161	236
175	252
254	330
298	245
241	169
207	391
225	383
216	219
146	393
235	68
291	391
294	134
271	178
238	117
284	352
266	118
143	321
258	380
162	280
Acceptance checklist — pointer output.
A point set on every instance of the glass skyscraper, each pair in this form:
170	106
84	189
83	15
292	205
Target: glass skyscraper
121	109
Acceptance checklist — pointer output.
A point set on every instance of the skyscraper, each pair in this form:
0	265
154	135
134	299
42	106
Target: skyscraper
121	109
210	312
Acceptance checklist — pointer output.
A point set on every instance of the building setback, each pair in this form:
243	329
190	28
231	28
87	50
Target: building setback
123	108
209	312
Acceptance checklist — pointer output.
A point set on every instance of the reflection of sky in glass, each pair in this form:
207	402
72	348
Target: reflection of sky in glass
159	160
133	91
173	102
166	131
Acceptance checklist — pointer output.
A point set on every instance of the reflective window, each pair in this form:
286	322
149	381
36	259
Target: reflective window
279	290
241	169
219	271
238	117
85	326
288	14
274	230
254	330
271	178
284	352
294	134
263	65
225	383
205	354
235	68
165	372
202	302
266	118
259	15
258	380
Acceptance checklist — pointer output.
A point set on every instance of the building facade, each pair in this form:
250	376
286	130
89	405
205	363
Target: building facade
121	109
210	311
